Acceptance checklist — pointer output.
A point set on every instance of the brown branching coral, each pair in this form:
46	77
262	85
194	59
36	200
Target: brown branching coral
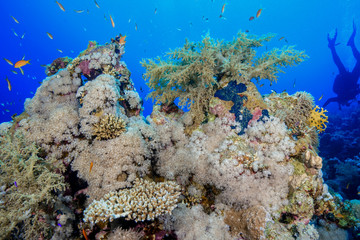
109	127
194	72
29	182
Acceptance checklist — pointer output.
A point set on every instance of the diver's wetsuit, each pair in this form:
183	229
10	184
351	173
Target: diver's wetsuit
345	83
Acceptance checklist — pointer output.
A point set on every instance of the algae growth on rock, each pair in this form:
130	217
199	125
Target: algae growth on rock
238	165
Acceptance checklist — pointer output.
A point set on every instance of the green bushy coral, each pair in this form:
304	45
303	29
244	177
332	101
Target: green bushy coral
28	183
194	72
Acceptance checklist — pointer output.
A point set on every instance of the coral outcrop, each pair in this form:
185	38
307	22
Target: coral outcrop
238	165
196	71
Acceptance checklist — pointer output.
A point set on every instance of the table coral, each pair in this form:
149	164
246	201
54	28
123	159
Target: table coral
144	201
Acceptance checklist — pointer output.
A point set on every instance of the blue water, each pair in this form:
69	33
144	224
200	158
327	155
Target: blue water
303	23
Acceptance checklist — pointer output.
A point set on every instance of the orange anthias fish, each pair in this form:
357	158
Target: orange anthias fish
97	5
49	35
85	236
21	63
9	84
112	22
60	6
223	8
122	40
15	19
8	61
258	13
91	166
251	18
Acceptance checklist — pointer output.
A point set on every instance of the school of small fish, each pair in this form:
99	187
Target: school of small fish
22	63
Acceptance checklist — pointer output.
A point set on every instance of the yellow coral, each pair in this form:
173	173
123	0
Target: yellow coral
109	127
318	119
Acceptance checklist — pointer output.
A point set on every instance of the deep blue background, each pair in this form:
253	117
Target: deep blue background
303	23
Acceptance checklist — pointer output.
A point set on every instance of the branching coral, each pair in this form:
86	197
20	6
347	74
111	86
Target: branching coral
145	201
29	183
194	72
318	119
108	127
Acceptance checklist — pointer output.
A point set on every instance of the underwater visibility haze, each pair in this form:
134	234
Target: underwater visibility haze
193	119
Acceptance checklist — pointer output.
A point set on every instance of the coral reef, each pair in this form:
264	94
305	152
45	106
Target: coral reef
340	150
196	71
238	165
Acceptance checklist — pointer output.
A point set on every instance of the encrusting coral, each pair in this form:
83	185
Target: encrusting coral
144	201
194	72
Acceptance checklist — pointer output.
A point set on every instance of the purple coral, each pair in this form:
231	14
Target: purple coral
57	64
84	66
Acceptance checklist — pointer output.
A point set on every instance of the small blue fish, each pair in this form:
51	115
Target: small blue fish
59	225
15	184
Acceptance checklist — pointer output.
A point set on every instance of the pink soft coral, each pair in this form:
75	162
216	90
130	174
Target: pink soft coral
256	115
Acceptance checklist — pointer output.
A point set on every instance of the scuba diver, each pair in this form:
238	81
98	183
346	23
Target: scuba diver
345	84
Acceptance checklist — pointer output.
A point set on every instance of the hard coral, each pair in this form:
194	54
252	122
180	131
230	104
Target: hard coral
194	73
109	127
144	201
